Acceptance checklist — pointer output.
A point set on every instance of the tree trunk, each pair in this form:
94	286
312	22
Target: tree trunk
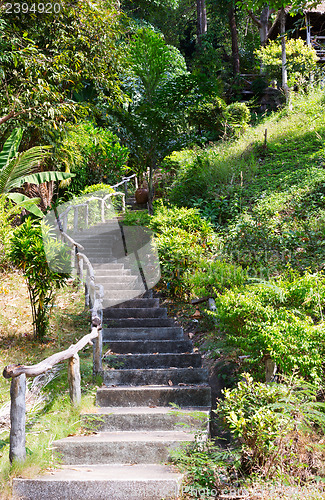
284	56
150	188
234	41
202	25
264	25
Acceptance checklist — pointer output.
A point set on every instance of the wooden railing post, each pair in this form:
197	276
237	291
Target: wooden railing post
18	419
75	219
74	380
96	323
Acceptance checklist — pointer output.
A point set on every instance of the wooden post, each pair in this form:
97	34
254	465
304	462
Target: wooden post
103	210
75	219
270	369
74	380
18	419
265	139
96	323
87	216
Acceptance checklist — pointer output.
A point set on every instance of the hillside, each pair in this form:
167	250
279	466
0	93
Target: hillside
267	200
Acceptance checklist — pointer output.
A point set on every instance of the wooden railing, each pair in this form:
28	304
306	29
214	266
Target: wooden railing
125	181
18	374
93	297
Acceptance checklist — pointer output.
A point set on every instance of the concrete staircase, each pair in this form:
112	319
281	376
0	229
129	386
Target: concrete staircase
148	368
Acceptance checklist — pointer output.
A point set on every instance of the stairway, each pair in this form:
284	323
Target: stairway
148	365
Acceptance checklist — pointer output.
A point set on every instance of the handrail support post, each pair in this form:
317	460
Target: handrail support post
18	419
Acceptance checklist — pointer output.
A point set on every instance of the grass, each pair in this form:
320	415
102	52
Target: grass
49	412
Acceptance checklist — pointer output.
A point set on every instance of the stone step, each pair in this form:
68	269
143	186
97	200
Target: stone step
148	346
137	322
107	273
159	376
146	419
109	286
139	303
144	333
126	447
110	266
111	279
134	312
121	295
108	260
165	360
103	482
194	395
91	253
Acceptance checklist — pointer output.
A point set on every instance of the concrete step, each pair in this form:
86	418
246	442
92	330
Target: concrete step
148	346
134	312
139	303
103	482
103	253
118	284
108	260
126	447
112	266
121	295
146	419
194	395
144	333
101	273
165	360
137	322
111	279
159	376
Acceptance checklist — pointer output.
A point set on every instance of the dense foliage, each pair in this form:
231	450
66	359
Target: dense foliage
28	254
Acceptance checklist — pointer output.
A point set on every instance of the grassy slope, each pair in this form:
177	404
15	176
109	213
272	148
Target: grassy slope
269	198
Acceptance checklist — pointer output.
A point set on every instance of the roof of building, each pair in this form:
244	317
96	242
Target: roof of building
320	9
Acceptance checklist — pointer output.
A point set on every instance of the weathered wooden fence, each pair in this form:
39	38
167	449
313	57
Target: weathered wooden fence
19	373
93	297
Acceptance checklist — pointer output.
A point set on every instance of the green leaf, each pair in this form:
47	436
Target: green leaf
29	204
40	177
10	147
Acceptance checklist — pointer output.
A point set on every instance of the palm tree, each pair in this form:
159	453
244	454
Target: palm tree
18	168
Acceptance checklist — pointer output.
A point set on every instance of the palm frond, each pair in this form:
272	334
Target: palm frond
13	174
10	148
40	177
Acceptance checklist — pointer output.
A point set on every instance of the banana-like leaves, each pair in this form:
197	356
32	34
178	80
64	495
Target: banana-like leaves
29	204
16	169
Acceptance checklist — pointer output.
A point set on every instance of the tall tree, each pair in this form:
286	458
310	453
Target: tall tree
49	60
282	8
234	40
202	23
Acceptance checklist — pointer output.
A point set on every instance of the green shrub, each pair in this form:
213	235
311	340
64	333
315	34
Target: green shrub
237	117
28	254
94	153
97	187
301	60
215	276
282	318
7	211
136	218
188	219
274	423
179	252
207	115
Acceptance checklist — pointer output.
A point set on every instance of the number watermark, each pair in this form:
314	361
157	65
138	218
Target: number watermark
32	8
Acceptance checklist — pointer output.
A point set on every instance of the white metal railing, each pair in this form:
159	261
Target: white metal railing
85	205
94	292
